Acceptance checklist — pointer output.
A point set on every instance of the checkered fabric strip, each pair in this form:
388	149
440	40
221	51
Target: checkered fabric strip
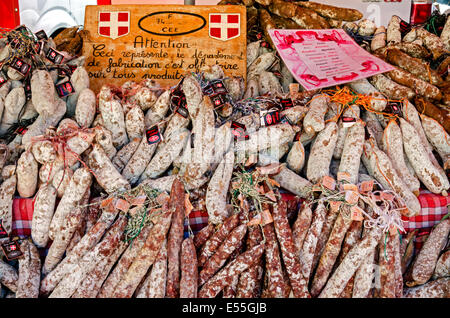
434	207
22	217
197	221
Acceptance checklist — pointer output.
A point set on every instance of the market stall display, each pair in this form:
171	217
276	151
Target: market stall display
304	193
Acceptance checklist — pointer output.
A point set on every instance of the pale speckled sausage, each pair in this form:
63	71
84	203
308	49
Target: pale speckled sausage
62	238
337	282
425	263
218	188
252	52
69	284
226	275
189	271
43	151
411	114
262	63
165	155
252	89
146	257
385	173
124	155
27	174
14	102
390	88
364	277
217	238
43	93
44	207
268	83
216	261
393	146
432	42
353	112
292	182
362	86
8	276
204	130
310	242
7	190
437	136
93	280
155	284
80	182
434	289
330	253
175	239
104	138
86	108
442	268
352	151
296	157
333	12
222	141
139	161
284	234
379	39
86	243
158	110
394	35
104	171
373	126
113	116
61	181
367	27
29	272
321	153
123	264
134	122
420	160
80	81
398	276
330	220
314	118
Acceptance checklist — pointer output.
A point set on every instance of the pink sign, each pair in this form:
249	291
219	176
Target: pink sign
323	58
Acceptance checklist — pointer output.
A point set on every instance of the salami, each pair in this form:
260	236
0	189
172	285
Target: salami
425	263
189	274
217	238
284	234
8	276
442	266
175	239
321	153
276	285
301	226
158	110
124	155
29	272
226	275
113	116
314	118
146	257
27	174
203	235
355	257
390	88
7	190
352	151
123	264
435	289
86	108
216	261
379	39
154	285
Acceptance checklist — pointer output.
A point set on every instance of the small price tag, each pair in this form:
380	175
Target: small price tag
54	56
293	89
350	187
153	135
348	121
366	186
214	88
329	183
356	213
122	205
351	197
11	250
41	35
20	66
335	205
182	111
270	118
286	103
219	101
65	89
3	79
239	131
3	232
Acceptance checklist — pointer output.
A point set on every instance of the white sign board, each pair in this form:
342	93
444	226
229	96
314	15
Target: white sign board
380	11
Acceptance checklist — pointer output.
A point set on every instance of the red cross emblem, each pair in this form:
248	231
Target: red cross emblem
114	24
12	247
19	63
224	26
